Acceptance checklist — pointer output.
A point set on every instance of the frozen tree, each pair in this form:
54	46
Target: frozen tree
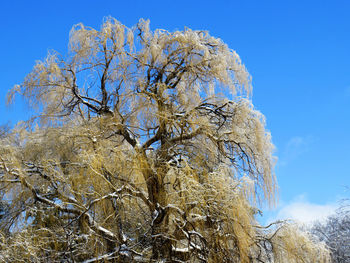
335	232
145	148
4	130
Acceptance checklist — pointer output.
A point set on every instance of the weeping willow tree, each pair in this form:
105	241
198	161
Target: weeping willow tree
145	147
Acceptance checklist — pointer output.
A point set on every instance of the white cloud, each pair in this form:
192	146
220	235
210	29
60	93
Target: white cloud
303	211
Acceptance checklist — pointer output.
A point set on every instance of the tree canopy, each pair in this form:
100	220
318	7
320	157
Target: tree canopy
145	148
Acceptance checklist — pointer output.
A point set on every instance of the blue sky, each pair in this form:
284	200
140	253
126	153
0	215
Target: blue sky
298	53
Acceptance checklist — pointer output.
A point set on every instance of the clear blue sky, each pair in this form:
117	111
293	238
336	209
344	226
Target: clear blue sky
298	53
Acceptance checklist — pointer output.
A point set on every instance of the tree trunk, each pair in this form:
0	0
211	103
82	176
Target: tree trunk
161	244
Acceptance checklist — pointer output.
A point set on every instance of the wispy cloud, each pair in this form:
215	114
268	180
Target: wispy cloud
294	148
303	211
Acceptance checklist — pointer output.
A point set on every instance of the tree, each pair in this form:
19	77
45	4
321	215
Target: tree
335	232
145	148
4	130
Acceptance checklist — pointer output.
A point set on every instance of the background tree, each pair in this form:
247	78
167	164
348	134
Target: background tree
335	232
145	148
